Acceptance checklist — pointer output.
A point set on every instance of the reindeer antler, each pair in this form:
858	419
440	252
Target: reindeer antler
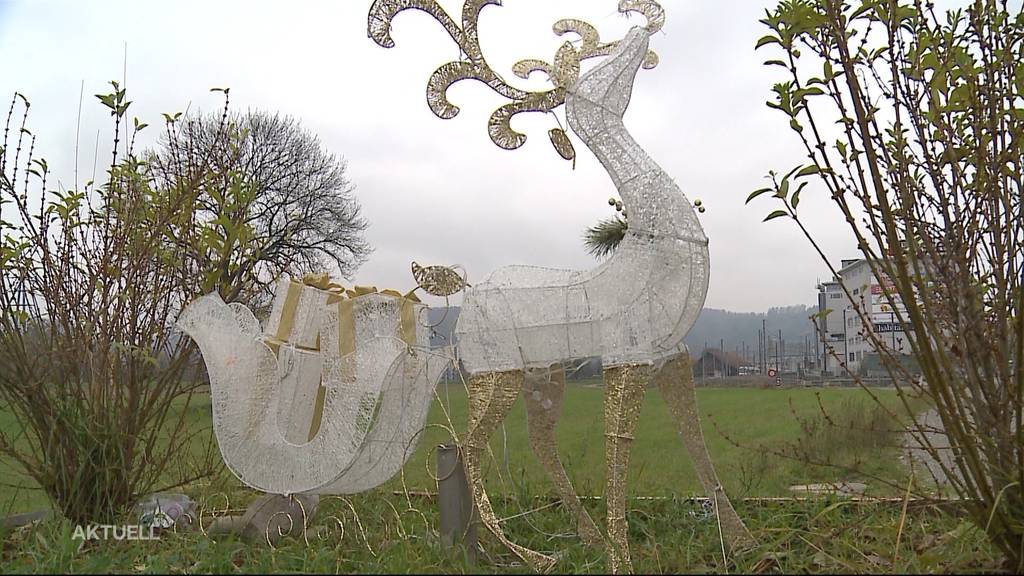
562	74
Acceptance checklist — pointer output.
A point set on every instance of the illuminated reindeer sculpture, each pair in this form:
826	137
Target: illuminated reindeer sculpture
519	325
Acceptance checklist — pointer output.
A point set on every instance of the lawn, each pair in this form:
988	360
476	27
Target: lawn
387	531
739	425
386	534
742	426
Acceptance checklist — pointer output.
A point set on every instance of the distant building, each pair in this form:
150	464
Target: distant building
714	363
842	328
830	328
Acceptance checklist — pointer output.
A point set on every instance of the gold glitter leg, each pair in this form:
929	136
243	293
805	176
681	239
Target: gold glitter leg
543	396
491	396
675	381
624	388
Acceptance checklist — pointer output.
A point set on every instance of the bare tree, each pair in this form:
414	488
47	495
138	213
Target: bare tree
277	191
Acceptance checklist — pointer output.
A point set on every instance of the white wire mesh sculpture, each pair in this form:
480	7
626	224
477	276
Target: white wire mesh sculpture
366	356
518	326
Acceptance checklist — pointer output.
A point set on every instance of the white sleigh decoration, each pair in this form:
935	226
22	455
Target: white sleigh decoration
375	397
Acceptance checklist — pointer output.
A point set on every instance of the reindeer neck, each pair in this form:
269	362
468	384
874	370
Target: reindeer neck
595	107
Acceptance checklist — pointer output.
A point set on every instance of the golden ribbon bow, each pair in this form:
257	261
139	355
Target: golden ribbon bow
342	298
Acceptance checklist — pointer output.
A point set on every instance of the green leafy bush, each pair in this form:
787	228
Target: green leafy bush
91	281
913	124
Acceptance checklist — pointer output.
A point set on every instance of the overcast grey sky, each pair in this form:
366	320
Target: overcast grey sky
435	191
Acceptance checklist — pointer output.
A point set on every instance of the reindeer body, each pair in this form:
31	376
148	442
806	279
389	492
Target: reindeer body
634	308
521	323
633	311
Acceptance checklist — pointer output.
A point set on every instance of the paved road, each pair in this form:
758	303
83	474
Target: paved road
916	450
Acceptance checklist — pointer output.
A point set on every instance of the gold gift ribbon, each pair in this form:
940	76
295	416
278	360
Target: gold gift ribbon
287	321
346	323
318	411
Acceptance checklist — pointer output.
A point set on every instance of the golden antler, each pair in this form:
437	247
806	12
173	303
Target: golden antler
562	74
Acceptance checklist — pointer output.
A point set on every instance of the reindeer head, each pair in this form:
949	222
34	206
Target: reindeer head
562	74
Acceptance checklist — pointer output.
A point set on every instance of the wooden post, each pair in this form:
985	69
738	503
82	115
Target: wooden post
458	515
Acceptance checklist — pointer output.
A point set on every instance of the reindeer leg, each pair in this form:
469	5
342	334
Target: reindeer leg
675	381
491	396
624	393
543	408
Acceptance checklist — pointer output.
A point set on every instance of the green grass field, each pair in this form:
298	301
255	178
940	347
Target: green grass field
752	418
759	421
384	532
666	537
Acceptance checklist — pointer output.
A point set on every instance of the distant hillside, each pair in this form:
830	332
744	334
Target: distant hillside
712	326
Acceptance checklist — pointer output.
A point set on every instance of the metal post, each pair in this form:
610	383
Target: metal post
458	515
722	362
764	345
777	357
782	347
760	352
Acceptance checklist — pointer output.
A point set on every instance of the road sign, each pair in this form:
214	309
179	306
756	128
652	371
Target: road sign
771	372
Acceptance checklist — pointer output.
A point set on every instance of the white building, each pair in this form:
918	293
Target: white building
845	331
830	329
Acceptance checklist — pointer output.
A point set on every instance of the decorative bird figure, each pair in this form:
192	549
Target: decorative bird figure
438	280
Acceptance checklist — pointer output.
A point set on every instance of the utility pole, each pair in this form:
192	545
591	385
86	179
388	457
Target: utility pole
760	351
703	362
764	355
725	368
782	344
777	357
